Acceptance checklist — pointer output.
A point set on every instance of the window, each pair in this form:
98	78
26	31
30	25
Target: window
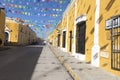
58	40
64	39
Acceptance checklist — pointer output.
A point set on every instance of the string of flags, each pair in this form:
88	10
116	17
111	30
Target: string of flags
28	7
41	15
36	1
31	14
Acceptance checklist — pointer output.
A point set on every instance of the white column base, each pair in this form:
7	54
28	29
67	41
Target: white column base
79	56
63	49
95	55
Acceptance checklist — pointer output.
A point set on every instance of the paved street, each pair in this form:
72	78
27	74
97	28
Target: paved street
30	63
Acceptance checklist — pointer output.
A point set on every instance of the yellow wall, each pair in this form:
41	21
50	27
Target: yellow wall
105	35
14	27
20	33
23	34
87	7
2	25
50	39
71	17
108	9
64	28
59	31
53	37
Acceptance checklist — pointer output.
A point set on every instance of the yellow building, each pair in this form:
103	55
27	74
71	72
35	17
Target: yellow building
55	38
18	33
59	36
2	26
90	31
109	35
50	40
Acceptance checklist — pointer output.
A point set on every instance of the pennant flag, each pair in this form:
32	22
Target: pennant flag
41	14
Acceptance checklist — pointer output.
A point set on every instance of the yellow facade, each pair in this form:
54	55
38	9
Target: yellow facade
70	27
19	33
2	26
108	9
49	39
13	33
81	13
59	34
54	38
87	7
59	27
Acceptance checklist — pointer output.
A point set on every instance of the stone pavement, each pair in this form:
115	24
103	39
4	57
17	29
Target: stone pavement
80	70
49	68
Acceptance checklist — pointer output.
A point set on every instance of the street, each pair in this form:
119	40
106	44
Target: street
31	63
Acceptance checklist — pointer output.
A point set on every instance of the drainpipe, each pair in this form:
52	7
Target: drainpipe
96	47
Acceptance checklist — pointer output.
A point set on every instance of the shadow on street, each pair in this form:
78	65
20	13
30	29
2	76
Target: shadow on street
18	63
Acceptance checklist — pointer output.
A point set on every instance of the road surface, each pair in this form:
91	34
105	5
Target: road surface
31	63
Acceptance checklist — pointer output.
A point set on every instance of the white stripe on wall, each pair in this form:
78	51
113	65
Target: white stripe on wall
96	47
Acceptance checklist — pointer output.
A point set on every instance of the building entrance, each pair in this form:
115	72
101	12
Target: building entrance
70	49
58	40
115	48
6	38
80	37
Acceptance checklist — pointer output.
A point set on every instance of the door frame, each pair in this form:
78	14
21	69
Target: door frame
63	49
77	20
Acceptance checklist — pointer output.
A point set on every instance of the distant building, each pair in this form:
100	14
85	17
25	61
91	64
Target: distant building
2	26
90	31
18	33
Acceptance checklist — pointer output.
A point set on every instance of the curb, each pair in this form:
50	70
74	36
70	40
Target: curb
4	48
68	68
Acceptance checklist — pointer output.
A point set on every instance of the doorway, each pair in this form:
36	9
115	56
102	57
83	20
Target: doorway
64	39
58	40
70	49
115	48
6	38
80	37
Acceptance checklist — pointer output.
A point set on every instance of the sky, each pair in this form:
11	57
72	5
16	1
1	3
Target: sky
41	15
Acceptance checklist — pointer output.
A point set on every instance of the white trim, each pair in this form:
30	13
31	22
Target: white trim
79	56
63	30
64	49
96	47
7	30
77	20
80	19
8	35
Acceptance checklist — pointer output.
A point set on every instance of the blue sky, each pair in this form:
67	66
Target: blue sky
42	15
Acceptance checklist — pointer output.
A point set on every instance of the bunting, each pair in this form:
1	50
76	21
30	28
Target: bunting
41	15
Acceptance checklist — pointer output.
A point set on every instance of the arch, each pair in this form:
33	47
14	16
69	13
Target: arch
80	19
80	24
7	37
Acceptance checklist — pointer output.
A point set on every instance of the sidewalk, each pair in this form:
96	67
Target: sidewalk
81	70
49	68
